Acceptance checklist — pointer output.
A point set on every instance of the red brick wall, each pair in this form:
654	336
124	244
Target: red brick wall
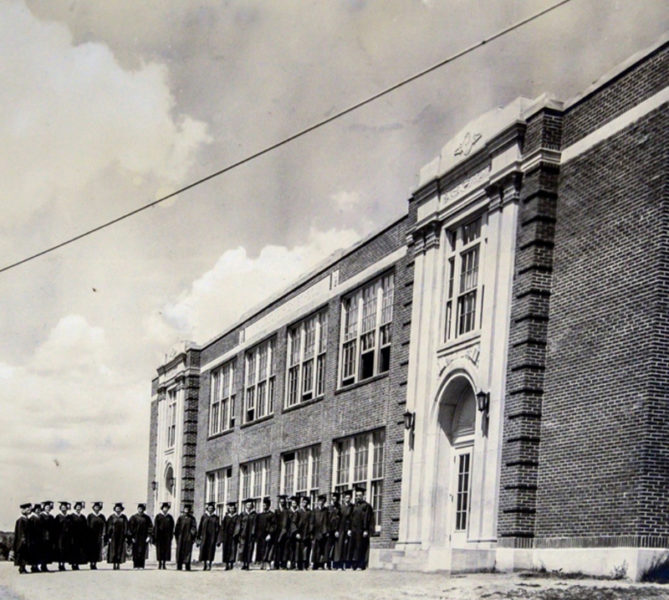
604	452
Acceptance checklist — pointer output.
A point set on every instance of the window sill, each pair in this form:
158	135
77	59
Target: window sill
302	404
260	420
221	433
459	343
357	384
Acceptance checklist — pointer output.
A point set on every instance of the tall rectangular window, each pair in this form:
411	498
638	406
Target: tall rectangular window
217	488
300	471
307	345
259	381
222	399
462	279
358	460
254	480
462	503
171	418
366	337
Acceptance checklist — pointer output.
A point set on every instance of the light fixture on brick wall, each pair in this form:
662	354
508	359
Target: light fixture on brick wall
409	420
483	404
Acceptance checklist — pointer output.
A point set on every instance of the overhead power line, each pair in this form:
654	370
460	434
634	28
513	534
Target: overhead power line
284	141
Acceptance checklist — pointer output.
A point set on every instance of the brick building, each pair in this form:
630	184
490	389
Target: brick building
516	319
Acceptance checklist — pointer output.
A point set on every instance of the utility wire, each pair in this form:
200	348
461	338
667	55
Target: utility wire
283	142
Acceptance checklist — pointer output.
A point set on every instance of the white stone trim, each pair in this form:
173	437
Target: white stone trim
615	125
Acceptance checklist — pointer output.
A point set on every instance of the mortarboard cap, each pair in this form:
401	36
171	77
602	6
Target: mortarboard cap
347	492
25	505
232	503
64	503
47	503
322	497
97	503
188	507
305	499
360	488
335	495
283	496
212	504
80	503
141	505
165	504
119	505
37	506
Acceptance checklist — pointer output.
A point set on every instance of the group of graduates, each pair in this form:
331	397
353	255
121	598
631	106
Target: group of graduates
294	536
40	538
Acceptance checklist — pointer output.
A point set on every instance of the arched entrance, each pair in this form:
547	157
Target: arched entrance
456	417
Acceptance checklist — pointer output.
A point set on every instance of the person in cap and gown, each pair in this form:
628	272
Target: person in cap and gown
185	533
35	535
163	532
64	534
340	559
334	517
303	545
116	535
79	535
226	536
140	530
97	525
207	535
246	528
361	528
265	526
294	533
22	527
282	533
318	532
49	534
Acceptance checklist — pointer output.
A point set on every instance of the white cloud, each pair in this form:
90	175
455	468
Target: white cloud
345	200
237	282
75	428
72	114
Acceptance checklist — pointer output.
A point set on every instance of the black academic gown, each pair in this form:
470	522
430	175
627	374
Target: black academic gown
80	539
21	548
64	537
226	537
163	532
185	533
35	551
342	543
318	532
116	535
140	530
334	518
362	521
303	544
97	525
282	537
49	538
245	532
265	526
207	536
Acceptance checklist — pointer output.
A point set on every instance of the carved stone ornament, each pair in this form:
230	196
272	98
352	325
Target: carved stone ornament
467	143
465	185
473	354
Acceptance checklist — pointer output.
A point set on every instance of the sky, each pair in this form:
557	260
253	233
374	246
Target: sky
105	106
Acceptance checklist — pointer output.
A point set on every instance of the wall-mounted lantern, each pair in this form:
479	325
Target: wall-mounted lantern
409	420
154	485
483	404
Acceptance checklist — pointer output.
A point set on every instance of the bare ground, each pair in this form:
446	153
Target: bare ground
152	584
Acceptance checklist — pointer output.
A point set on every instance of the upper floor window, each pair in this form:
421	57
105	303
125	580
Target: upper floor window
307	343
358	460
217	488
171	418
222	401
462	279
367	318
254	480
259	378
300	471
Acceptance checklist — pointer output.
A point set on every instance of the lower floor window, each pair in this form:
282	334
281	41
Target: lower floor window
217	488
254	480
358	461
300	472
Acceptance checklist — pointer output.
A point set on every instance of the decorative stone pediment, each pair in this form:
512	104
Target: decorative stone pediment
468	142
470	354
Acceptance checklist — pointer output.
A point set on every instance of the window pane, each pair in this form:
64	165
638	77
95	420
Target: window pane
388	284
302	469
293	374
361	453
315	466
309	337
322	344
261	399
320	375
270	396
462	504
